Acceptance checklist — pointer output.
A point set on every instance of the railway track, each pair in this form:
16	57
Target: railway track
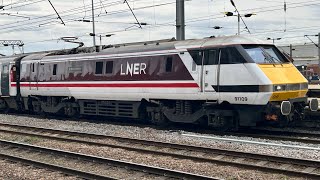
283	165
277	135
101	168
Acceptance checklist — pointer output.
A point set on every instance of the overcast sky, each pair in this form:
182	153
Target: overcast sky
36	24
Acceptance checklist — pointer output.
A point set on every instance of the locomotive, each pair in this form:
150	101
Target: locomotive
223	82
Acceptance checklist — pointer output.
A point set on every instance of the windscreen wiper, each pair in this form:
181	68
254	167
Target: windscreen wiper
267	56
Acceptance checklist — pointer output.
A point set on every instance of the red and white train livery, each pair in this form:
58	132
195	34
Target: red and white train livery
223	82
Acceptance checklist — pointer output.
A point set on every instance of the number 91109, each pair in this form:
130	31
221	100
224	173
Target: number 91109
241	98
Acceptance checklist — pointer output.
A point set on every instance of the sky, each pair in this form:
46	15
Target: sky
36	24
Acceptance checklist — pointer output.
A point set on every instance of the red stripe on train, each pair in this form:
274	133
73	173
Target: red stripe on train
139	85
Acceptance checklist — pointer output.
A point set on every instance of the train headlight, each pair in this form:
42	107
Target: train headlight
279	88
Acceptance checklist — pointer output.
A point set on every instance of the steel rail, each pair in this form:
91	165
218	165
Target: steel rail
260	143
117	163
289	136
281	132
64	170
293	138
262	160
286	136
302	137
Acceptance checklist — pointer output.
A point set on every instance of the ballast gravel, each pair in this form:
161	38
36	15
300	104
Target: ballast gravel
11	170
168	136
207	169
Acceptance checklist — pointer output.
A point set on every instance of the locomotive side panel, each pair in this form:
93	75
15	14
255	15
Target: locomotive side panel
36	75
123	78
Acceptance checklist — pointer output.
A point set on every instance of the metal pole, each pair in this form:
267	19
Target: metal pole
238	23
93	26
100	40
319	47
291	51
180	21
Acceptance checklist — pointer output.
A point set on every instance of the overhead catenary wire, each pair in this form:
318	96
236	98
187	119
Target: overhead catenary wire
263	9
111	13
307	36
66	13
23	5
133	14
272	6
139	8
83	11
59	17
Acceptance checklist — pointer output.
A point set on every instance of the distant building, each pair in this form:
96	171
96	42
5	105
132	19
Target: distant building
303	54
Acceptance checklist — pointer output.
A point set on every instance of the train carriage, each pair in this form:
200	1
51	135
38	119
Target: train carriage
223	82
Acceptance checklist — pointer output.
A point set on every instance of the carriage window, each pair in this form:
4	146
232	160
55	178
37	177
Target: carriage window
196	56
54	69
231	55
109	67
32	67
5	69
99	67
169	64
23	68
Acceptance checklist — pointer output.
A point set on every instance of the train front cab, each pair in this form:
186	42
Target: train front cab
254	83
287	88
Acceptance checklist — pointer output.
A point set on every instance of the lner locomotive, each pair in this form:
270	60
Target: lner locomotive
224	83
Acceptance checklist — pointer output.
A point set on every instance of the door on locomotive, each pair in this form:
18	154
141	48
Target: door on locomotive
210	71
205	63
5	76
33	74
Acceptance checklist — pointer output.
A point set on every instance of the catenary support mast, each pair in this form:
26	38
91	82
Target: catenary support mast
93	25
319	47
180	21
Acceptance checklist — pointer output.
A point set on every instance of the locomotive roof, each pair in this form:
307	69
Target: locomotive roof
152	46
219	41
5	59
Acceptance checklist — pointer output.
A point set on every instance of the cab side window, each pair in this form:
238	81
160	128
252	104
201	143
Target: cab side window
196	56
211	57
230	55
